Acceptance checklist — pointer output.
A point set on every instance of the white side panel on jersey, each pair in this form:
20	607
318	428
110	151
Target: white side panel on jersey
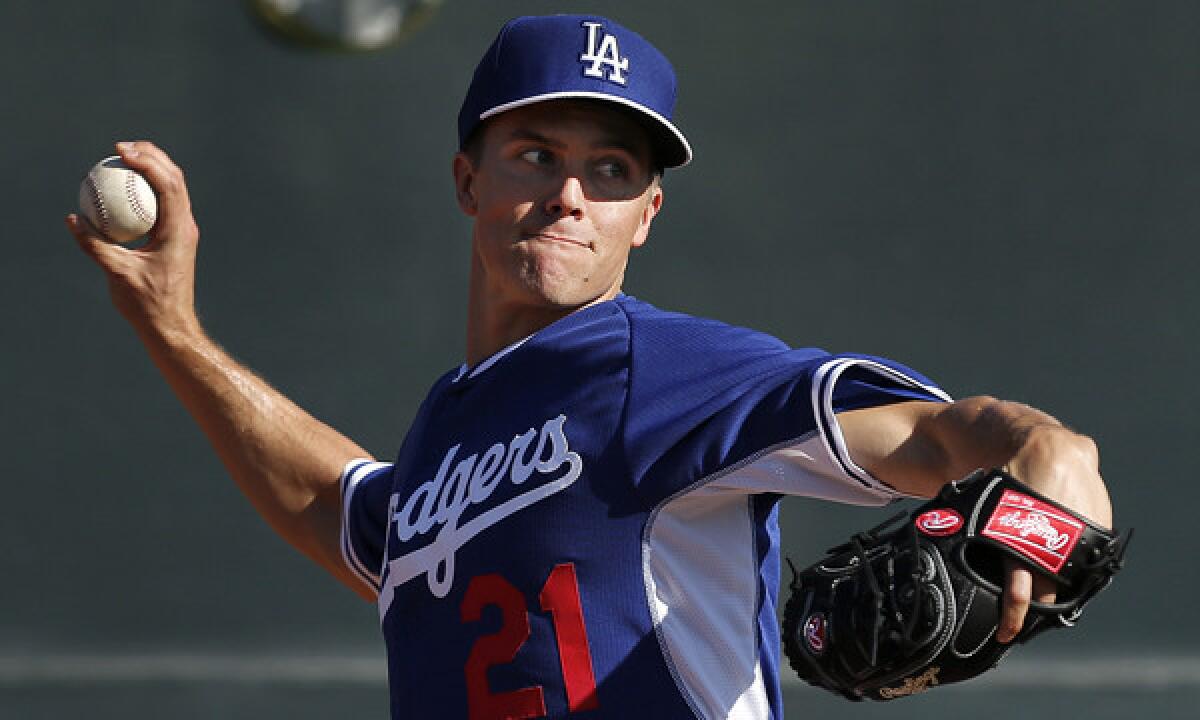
701	571
702	582
805	468
701	565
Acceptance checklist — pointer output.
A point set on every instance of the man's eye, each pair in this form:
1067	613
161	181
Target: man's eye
537	157
613	169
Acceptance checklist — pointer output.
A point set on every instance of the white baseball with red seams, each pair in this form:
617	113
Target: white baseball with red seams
117	201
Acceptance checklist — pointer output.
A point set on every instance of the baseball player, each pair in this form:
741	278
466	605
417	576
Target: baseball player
581	520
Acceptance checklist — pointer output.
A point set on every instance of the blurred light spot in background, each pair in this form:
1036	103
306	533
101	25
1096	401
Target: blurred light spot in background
343	25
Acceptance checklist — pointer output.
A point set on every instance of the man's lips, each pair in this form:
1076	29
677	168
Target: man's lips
555	237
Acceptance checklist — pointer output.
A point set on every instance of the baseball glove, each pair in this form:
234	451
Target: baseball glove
903	607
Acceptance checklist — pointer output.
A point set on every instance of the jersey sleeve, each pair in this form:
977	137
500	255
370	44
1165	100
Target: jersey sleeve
366	487
818	464
851	382
728	408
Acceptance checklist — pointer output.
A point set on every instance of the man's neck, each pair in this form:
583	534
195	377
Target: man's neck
494	321
493	326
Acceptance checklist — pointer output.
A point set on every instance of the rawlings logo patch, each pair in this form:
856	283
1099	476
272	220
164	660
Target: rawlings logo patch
913	685
939	523
1037	530
814	633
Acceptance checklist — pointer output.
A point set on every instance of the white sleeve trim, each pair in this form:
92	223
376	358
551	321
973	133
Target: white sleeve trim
352	475
823	385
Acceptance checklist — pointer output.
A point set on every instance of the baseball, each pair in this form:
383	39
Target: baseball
117	201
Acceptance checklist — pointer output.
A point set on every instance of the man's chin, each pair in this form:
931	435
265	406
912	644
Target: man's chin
566	296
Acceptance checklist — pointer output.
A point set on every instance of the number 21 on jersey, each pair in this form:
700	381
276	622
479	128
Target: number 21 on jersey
560	598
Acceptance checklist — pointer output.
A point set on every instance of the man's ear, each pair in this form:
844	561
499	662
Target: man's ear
464	184
653	204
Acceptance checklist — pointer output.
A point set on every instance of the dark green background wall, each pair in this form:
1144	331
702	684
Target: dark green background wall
1000	194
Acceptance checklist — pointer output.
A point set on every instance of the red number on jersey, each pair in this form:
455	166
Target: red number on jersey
560	598
498	649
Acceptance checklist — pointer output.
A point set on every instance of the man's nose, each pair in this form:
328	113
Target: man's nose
567	198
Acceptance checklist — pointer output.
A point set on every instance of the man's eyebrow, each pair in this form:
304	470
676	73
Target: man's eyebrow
531	136
606	141
620	143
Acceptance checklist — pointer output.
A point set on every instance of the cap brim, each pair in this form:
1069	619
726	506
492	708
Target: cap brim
671	147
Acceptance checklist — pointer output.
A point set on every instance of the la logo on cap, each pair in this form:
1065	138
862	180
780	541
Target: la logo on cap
607	54
540	58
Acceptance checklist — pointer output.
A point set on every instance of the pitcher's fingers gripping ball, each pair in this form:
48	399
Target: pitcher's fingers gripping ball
899	609
117	201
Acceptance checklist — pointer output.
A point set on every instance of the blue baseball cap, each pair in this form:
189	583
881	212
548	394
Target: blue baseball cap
556	57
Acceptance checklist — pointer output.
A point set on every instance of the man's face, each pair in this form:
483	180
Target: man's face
560	192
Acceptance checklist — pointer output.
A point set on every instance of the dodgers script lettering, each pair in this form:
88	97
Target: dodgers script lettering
438	505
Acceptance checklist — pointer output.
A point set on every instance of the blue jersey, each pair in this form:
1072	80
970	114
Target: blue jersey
584	525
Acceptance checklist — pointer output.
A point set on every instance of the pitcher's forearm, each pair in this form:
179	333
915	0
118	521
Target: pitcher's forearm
284	460
917	447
